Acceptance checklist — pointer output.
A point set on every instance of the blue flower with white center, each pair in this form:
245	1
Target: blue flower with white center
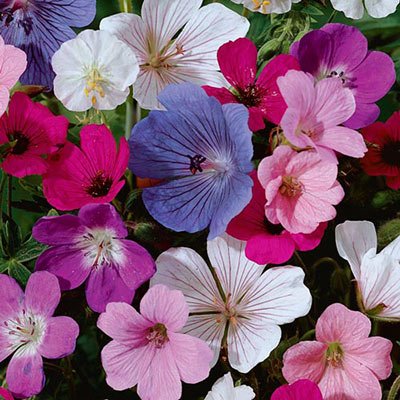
201	151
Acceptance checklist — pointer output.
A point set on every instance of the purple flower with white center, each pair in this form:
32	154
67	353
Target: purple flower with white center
29	330
39	27
201	151
91	247
341	51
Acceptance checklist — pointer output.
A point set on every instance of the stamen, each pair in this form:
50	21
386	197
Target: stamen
195	163
334	354
261	4
290	187
94	84
158	335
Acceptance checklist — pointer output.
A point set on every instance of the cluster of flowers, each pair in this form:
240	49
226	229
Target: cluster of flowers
194	69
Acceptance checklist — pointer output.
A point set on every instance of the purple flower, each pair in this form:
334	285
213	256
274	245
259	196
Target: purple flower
39	27
91	247
29	330
341	51
201	150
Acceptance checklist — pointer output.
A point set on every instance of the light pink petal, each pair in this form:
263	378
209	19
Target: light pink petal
13	66
4	98
291	124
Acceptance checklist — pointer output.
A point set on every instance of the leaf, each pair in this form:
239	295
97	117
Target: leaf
18	271
11	238
132	197
3	265
30	250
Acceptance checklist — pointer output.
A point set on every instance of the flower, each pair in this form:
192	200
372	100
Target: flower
267	243
268	6
94	70
224	389
238	63
29	330
341	51
344	361
92	247
299	390
5	394
12	65
168	57
234	298
28	133
148	349
89	174
383	156
202	150
300	188
355	8
377	275
314	113
39	28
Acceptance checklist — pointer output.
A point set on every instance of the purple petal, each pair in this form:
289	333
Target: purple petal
6	345
60	337
12	297
365	115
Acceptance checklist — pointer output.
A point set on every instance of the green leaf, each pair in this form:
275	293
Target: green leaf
3	265
11	238
18	271
30	250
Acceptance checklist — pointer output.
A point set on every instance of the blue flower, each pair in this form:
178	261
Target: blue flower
201	150
39	27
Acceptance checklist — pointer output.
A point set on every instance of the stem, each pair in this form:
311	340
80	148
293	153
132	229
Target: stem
245	12
129	118
125	6
300	260
332	17
138	113
394	390
9	202
2	186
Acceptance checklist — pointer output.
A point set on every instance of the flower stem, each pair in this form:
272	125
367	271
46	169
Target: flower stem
300	260
129	117
332	17
245	12
125	6
394	390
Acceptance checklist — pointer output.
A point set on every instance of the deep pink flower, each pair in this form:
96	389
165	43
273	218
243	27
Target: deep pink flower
28	133
5	394
302	389
268	243
300	188
344	361
238	63
89	174
148	350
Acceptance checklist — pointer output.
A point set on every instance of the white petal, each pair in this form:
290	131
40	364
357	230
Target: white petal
70	91
351	8
353	240
393	249
244	392
276	6
222	389
381	8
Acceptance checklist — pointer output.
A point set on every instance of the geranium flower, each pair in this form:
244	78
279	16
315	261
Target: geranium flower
344	361
12	65
300	188
5	394
92	247
314	113
383	156
202	151
234	298
224	389
94	70
341	51
300	390
238	63
149	350
89	174
39	28
355	8
29	330
267	243
377	275
268	6
175	43
28	133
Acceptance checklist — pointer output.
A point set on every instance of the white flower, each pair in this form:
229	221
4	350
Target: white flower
268	6
377	275
236	297
224	389
168	57
375	8
95	69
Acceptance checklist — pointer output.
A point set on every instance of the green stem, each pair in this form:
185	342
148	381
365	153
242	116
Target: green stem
332	17
138	113
9	202
245	12
125	6
2	186
300	260
394	390
129	117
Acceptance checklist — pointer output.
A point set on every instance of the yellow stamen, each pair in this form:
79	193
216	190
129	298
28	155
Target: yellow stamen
261	4
94	83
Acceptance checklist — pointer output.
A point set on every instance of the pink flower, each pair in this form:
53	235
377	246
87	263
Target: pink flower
12	65
268	243
344	361
28	133
314	113
89	174
148	350
238	63
299	390
300	188
5	394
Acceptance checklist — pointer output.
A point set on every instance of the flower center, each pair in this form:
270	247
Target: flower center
250	96
99	247
158	335
16	10
94	85
195	163
100	185
334	354
391	153
261	5
290	187
162	59
19	143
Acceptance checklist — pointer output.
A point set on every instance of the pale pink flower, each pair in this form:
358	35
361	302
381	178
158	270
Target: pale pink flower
344	362
148	349
300	188
315	112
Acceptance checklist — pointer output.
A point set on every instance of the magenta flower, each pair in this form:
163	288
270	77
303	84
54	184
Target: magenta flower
89	174
238	63
344	361
29	330
148	350
267	243
300	188
300	390
5	394
28	133
92	247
